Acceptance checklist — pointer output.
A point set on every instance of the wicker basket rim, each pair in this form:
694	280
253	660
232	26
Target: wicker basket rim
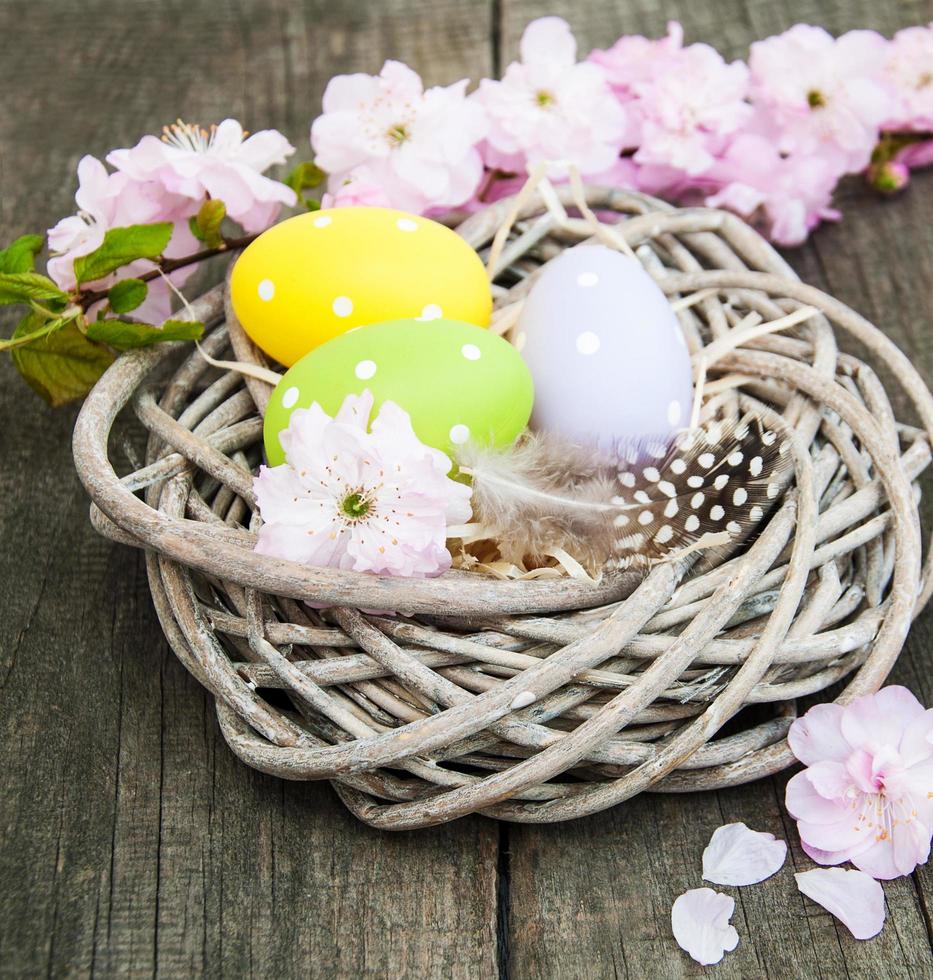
879	509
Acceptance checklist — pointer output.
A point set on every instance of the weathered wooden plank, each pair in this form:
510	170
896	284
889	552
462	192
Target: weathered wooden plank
594	898
133	841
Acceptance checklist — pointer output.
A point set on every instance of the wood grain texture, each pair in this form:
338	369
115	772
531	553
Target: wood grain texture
600	890
133	843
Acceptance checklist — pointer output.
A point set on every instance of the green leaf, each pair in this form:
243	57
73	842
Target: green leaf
62	366
33	327
305	176
122	246
21	255
126	334
205	225
126	295
22	287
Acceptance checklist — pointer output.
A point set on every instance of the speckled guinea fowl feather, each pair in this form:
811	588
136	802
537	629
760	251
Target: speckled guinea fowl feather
716	480
629	508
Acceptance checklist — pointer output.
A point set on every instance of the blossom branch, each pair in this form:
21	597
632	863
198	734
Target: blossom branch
88	297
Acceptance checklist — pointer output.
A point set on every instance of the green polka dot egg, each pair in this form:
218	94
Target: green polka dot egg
319	275
457	381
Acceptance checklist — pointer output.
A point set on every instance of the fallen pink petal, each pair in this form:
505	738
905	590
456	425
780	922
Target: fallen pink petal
853	897
700	920
737	855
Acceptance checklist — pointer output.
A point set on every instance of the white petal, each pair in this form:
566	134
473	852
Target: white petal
854	897
548	39
700	920
736	855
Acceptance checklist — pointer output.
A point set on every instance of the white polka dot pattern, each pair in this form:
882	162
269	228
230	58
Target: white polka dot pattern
266	290
431	312
718	480
290	396
365	370
342	306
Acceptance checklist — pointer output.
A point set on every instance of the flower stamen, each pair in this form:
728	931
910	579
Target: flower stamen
356	506
398	134
188	136
816	99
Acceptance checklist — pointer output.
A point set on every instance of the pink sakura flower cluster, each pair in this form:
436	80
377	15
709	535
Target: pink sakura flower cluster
169	179
768	139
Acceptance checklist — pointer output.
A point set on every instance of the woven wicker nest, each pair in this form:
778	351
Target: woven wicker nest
539	700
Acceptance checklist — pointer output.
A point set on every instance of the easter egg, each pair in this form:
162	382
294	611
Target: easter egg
457	381
318	275
605	350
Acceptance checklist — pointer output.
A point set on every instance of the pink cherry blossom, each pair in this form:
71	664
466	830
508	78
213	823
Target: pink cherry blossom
689	109
635	61
825	94
104	201
700	923
221	163
908	70
866	795
681	101
358	187
916	154
550	109
853	897
114	200
787	196
418	146
371	501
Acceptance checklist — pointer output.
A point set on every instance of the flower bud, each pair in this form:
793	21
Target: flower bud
889	177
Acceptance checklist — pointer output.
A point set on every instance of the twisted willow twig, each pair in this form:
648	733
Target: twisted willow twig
540	700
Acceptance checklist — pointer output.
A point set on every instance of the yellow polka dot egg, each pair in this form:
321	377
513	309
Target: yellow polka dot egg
321	274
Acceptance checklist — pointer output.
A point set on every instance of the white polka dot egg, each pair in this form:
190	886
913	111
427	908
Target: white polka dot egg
605	350
458	382
318	275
